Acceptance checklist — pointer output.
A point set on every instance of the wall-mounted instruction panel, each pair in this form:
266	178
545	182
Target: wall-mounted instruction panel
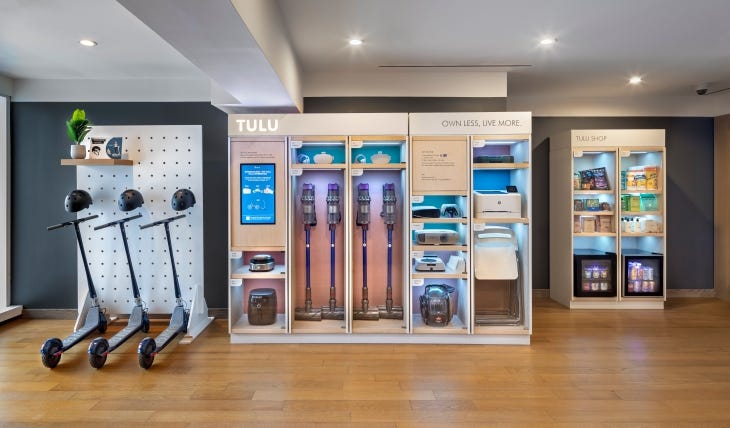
377	228
608	217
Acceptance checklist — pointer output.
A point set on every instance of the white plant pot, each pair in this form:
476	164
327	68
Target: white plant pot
78	151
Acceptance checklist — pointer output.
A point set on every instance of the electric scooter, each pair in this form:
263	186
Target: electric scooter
138	318
95	319
150	347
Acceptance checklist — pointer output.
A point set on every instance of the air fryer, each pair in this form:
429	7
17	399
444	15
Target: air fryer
262	306
261	263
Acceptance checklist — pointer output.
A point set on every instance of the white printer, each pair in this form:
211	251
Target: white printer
497	203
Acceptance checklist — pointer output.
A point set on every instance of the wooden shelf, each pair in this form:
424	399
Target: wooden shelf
500	220
442	275
440	248
596	234
319	166
397	165
593	213
518	165
242	272
634	192
501	329
660	234
381	326
640	213
454	327
593	192
242	326
460	220
440	193
97	162
259	248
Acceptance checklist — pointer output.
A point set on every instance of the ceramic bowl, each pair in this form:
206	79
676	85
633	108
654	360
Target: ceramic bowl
380	158
323	158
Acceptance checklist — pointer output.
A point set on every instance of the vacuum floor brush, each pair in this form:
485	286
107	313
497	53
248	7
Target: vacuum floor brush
363	220
334	216
388	214
309	219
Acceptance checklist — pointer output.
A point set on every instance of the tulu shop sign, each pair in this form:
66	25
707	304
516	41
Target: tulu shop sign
258	125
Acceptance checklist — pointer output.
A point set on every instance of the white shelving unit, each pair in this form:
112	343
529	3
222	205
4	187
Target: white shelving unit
291	142
586	216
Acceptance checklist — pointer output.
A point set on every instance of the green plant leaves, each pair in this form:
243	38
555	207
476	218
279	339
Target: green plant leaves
78	127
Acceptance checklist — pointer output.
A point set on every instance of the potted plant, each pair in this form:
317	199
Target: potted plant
77	128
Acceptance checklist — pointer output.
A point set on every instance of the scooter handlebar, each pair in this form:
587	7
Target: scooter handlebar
159	222
120	221
70	222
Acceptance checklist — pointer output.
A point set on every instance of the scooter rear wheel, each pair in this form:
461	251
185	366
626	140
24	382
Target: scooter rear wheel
97	352
51	352
145	352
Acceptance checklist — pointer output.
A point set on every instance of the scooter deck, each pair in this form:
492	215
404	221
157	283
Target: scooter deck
133	326
91	323
177	325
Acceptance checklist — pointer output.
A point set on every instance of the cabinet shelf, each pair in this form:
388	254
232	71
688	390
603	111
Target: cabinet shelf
518	165
454	327
640	213
440	193
440	220
440	248
593	192
636	192
593	213
660	234
442	275
500	220
319	165
242	326
97	162
242	272
596	234
398	165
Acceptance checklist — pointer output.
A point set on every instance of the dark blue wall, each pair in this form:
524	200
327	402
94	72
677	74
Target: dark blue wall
44	263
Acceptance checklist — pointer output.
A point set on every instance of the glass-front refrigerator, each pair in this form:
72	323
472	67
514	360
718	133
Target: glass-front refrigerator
595	273
642	273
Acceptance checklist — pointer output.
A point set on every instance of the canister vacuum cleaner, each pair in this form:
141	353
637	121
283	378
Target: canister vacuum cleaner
388	214
309	219
363	220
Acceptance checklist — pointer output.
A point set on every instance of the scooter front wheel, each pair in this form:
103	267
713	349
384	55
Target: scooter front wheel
145	352
51	352
97	352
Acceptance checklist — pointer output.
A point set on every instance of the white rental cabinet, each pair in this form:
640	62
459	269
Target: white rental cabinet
607	219
414	189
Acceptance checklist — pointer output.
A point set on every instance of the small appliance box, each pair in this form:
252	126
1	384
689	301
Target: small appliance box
497	203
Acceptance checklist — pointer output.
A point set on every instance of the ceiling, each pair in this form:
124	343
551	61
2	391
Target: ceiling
674	46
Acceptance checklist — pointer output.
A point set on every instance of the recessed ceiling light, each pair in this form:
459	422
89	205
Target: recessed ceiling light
355	42
548	41
87	43
635	80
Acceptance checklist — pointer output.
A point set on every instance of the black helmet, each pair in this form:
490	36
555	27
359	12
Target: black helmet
182	199
130	199
77	200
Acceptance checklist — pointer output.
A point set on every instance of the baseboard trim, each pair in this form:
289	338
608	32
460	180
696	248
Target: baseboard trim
540	293
707	293
71	314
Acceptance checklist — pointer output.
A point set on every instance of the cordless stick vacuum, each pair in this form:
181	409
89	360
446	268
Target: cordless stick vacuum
309	219
363	220
138	319
334	216
52	349
181	200
388	215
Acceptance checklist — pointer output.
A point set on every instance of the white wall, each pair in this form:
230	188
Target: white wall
5	211
161	90
6	86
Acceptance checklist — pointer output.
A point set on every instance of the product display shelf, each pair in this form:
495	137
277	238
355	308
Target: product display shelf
97	162
243	272
440	220
243	326
499	220
319	166
613	153
456	326
520	165
448	273
463	248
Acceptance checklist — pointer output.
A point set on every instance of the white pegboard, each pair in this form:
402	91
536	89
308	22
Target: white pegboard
166	158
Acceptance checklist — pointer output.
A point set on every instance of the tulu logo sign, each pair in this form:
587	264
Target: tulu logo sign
257	125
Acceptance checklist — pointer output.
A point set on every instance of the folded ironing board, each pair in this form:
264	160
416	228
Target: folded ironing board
495	254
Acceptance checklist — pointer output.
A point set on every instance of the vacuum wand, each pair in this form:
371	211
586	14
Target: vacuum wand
334	216
389	218
309	218
363	220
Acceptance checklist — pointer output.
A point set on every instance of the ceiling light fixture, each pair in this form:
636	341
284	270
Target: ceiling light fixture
548	41
355	42
88	43
635	80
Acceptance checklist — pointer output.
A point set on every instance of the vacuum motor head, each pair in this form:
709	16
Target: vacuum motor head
130	199
389	200
182	199
363	204
334	215
309	214
436	305
77	200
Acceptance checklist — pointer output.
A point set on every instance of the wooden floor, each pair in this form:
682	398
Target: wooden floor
584	368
